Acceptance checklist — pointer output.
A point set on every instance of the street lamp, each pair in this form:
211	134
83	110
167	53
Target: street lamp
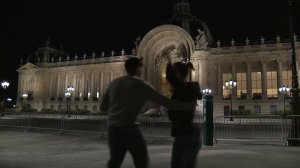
284	90
25	96
206	91
295	104
230	85
68	95
70	88
4	85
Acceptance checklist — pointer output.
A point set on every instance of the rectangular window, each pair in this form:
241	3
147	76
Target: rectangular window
241	108
273	109
257	109
85	107
226	77
52	107
89	96
98	95
59	107
226	110
89	88
272	89
76	107
256	84
287	78
95	108
241	85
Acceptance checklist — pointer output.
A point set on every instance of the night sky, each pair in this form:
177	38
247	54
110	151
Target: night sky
96	25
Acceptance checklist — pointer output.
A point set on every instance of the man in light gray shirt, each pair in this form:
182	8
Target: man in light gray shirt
124	100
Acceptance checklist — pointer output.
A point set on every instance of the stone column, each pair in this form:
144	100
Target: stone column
234	77
19	94
58	87
249	81
75	87
101	84
84	94
51	87
219	82
93	94
279	78
264	80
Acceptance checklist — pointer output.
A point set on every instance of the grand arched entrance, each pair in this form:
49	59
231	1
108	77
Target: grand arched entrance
156	45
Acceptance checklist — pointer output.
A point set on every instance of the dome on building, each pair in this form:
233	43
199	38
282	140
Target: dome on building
184	18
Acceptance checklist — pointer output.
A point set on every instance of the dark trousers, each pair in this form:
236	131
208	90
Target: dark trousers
123	139
185	150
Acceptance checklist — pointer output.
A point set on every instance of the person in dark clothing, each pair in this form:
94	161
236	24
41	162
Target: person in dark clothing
187	140
123	100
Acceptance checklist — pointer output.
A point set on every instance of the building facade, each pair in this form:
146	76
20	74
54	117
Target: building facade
259	68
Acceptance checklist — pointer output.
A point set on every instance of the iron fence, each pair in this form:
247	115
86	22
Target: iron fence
267	129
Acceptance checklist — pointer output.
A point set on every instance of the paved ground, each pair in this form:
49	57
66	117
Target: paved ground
46	150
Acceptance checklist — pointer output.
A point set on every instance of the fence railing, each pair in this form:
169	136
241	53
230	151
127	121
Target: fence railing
267	129
251	128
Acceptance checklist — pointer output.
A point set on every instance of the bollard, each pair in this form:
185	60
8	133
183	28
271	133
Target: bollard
208	130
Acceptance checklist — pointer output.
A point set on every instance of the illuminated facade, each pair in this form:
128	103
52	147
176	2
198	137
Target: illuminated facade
258	68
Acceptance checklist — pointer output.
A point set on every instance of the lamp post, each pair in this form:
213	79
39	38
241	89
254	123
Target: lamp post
68	95
295	104
25	97
205	92
208	117
4	85
230	85
284	90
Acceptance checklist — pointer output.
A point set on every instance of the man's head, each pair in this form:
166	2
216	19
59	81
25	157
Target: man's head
134	66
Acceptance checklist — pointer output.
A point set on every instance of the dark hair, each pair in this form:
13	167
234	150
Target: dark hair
132	64
183	68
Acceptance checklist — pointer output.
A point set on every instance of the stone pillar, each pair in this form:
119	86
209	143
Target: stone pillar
234	77
58	87
94	86
219	82
101	84
264	80
51	87
84	94
249	81
279	78
74	83
19	94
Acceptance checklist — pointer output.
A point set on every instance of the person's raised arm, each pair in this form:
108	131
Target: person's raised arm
159	99
170	73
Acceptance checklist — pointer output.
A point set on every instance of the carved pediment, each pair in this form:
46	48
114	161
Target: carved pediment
27	66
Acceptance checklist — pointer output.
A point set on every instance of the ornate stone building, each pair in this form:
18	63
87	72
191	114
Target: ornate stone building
259	68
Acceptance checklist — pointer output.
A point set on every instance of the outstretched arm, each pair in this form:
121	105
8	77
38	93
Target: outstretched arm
170	73
159	99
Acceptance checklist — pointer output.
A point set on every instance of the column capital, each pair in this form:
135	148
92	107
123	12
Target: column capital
233	63
248	62
263	62
279	61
